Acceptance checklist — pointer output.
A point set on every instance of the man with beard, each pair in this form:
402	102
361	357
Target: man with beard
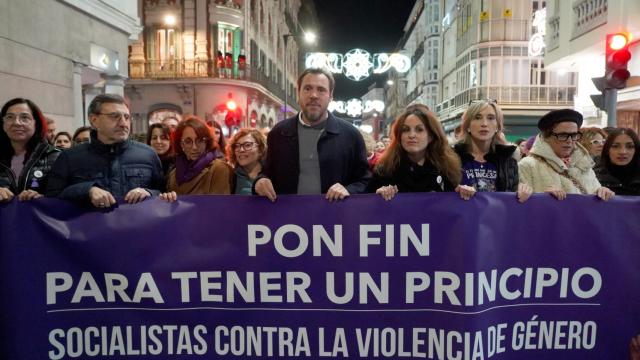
314	152
110	165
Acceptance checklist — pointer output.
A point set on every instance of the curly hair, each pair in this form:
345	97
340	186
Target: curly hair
259	138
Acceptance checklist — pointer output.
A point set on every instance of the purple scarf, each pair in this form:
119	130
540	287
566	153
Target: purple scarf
187	170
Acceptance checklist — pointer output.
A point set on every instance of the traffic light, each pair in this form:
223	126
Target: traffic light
617	57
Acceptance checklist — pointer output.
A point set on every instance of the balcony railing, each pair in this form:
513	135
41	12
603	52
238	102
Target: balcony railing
588	15
190	69
510	95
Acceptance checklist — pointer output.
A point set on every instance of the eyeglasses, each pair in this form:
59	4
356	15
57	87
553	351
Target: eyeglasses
24	118
246	146
598	142
82	141
115	116
188	142
490	101
566	136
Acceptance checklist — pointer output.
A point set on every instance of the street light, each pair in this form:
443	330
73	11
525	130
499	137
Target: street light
309	38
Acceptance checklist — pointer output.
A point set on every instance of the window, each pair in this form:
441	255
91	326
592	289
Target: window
165	45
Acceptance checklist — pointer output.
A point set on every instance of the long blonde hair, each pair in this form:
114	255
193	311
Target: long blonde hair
438	152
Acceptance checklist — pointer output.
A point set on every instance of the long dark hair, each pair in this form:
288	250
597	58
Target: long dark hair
605	160
438	151
166	131
6	150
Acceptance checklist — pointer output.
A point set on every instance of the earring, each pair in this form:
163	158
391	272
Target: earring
469	131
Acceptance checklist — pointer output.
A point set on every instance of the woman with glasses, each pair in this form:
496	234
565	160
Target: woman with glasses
159	138
619	167
487	164
62	140
197	170
26	157
557	163
418	159
593	139
246	150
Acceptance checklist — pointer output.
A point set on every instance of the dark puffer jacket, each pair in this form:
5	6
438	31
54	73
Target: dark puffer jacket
117	168
502	158
35	173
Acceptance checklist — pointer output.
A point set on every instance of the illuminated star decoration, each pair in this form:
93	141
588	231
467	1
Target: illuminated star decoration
357	64
354	107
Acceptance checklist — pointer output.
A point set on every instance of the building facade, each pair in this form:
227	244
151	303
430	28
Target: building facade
576	35
197	56
491	50
60	53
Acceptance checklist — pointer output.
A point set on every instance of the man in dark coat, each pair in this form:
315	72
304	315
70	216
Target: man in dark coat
314	152
110	165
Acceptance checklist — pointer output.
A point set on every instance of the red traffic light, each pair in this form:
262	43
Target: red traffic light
617	56
618	41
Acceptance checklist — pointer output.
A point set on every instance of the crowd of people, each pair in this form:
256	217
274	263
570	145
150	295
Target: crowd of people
313	152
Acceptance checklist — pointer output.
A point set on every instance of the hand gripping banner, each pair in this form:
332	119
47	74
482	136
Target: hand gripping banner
424	276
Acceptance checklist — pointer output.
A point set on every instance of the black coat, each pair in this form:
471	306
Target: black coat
116	168
411	177
341	154
630	185
502	158
35	173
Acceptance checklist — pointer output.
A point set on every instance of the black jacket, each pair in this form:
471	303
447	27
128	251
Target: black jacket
341	154
502	158
630	185
35	173
117	168
411	177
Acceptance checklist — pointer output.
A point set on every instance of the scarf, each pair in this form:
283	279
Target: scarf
187	170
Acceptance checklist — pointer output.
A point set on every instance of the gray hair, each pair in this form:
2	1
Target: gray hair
96	104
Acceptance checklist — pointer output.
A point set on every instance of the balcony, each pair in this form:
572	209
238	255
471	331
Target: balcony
533	95
198	69
588	15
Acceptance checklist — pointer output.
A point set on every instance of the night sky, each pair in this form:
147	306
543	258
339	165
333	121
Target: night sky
372	25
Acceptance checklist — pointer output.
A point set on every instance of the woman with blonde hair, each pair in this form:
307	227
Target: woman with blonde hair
246	150
419	158
593	139
488	164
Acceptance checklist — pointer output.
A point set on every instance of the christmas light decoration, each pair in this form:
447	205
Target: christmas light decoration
358	64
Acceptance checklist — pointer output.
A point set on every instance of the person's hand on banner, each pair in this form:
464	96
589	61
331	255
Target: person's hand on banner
605	193
264	187
101	198
466	192
336	192
169	197
559	194
387	192
524	192
5	194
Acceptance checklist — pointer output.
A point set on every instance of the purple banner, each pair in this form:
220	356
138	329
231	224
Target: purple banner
422	276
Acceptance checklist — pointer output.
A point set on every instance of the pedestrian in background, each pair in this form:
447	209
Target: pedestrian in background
488	165
197	171
619	167
51	130
62	140
111	165
419	158
593	139
159	138
82	135
26	157
557	164
246	150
